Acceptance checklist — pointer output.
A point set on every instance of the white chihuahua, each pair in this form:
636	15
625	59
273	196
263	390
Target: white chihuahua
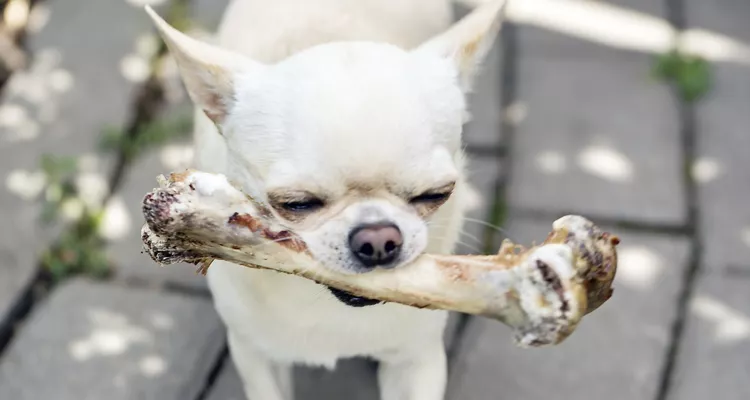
345	116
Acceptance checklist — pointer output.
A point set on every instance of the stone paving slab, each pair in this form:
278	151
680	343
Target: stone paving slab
714	359
616	353
71	90
598	136
723	168
93	340
484	129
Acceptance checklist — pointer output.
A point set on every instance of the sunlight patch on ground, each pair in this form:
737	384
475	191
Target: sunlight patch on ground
706	170
745	236
606	162
141	3
34	96
623	28
516	113
135	68
162	321
16	14
38	18
639	267
730	325
111	335
152	366
551	162
117	222
92	188
25	184
17	124
176	156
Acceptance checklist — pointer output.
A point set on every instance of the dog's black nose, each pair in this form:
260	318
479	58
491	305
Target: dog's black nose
376	244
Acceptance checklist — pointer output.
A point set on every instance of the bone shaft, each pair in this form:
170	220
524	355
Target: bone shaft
424	283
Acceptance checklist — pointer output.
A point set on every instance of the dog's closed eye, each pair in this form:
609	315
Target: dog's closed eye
295	206
429	201
302	205
430	198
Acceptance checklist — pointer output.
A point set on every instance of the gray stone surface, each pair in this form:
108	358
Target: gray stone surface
723	168
726	17
71	90
484	130
616	353
483	173
714	359
208	13
96	340
599	136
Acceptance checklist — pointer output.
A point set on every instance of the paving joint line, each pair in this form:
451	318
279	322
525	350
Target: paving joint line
678	18
222	360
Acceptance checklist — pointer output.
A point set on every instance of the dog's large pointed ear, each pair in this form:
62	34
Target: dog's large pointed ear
468	41
208	72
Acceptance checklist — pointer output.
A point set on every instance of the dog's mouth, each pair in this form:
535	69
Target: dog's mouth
352	300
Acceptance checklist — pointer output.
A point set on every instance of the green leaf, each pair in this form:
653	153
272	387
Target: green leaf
690	75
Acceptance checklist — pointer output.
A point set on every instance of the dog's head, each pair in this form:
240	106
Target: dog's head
354	145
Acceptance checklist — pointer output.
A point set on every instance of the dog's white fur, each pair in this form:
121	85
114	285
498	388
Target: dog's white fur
362	103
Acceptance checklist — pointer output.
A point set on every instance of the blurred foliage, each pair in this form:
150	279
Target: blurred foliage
79	249
151	135
691	75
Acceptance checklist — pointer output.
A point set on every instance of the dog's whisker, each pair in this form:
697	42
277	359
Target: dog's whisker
468	245
461	233
493	226
470	236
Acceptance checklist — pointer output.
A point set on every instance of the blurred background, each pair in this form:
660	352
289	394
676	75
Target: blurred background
634	113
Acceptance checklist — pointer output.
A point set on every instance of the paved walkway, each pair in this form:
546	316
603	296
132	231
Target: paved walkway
567	119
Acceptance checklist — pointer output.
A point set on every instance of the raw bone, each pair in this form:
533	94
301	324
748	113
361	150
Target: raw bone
541	292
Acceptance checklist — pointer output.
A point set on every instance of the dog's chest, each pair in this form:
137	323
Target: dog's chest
294	320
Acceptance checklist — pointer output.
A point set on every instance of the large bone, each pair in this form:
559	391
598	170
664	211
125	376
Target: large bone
541	292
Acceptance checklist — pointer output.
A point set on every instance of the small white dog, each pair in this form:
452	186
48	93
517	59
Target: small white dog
345	116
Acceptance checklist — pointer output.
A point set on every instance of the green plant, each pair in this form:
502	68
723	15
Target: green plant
80	248
690	74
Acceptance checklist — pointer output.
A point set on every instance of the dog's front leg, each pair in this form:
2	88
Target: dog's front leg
262	379
420	377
